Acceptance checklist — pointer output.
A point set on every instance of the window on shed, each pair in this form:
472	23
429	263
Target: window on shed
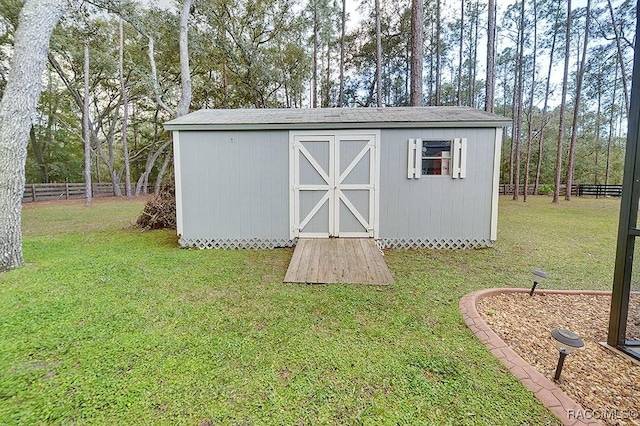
436	156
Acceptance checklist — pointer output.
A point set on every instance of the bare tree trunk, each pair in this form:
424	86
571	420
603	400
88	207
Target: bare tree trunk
225	83
620	56
431	62
438	53
378	55
110	159
597	128
491	57
417	53
17	108
563	101
161	173
143	182
154	76
125	117
407	74
314	82
536	185
39	155
517	128
614	96
531	96
459	87
576	106
513	127
86	132
142	187
473	64
342	50
185	74
326	101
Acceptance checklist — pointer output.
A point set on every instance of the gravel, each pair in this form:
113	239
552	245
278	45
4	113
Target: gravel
605	383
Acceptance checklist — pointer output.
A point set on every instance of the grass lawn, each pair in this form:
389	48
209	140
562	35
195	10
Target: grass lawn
109	325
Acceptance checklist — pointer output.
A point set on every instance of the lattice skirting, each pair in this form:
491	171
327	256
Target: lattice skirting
385	243
420	243
251	243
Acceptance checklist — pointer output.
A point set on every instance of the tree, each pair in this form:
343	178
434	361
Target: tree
491	57
185	73
438	70
517	104
547	92
417	54
19	100
460	56
607	175
620	55
531	102
563	100
316	25
125	114
378	54
576	104
343	26
86	132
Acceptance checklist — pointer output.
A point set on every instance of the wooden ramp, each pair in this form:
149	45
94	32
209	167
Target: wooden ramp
338	260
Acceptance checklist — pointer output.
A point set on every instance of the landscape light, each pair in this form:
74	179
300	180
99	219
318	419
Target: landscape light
567	342
536	273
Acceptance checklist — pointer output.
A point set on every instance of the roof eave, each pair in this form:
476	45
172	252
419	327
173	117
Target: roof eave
339	126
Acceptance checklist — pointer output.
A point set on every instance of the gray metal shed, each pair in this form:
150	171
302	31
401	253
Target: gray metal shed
407	177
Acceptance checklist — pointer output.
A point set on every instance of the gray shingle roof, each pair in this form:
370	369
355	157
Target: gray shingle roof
336	118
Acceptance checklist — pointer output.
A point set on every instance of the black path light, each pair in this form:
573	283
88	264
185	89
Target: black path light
567	342
537	274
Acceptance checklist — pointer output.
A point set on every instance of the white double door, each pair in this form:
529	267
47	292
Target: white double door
334	181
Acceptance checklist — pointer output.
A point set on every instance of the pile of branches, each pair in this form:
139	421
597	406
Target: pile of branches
160	213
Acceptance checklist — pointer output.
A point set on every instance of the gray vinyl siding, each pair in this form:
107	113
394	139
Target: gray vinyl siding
436	207
235	185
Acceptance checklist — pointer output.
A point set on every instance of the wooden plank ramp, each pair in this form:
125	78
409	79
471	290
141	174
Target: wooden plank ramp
338	260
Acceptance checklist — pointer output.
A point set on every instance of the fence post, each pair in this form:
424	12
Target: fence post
66	190
33	192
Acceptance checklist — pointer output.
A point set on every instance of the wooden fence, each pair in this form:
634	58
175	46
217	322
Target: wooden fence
65	191
600	190
507	189
582	190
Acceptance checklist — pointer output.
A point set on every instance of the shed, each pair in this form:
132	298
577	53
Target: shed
418	177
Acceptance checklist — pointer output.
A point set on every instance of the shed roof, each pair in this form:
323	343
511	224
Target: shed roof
335	118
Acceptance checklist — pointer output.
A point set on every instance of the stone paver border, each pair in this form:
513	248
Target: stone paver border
559	403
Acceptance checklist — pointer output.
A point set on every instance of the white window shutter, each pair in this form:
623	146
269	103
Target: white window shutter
459	158
418	164
414	158
455	159
411	152
463	158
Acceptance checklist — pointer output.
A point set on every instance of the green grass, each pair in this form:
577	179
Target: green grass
109	325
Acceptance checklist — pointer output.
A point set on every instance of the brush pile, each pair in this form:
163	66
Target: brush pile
160	212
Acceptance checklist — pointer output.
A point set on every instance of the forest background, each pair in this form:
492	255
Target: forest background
562	72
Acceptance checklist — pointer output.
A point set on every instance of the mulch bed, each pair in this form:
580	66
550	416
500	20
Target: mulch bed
605	383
